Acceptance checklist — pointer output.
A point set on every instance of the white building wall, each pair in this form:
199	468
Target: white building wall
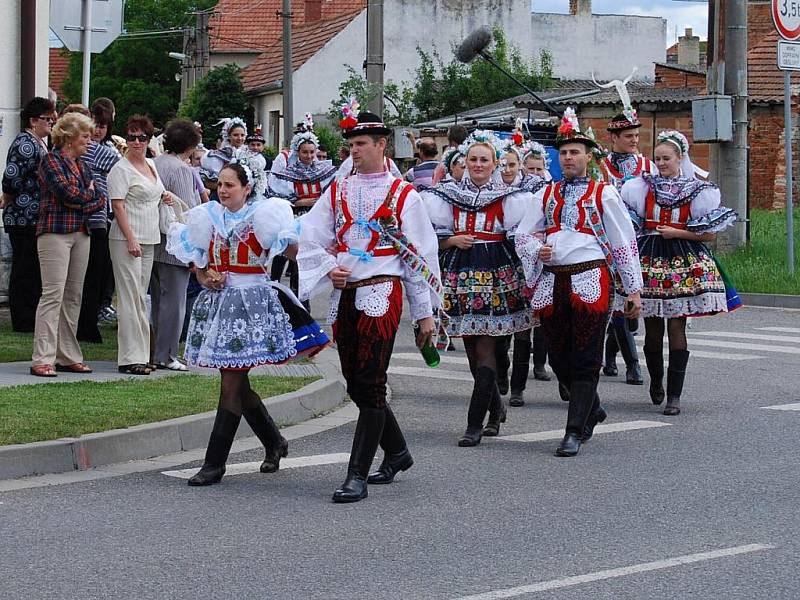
219	59
10	107
609	46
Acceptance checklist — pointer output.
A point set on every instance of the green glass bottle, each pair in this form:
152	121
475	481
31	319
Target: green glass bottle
429	352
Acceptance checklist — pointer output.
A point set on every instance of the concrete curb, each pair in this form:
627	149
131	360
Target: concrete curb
165	437
770	300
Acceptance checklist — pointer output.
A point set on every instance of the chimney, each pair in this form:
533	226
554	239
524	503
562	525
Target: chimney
689	49
580	7
313	10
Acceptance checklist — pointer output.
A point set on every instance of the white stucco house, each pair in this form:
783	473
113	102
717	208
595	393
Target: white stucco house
581	44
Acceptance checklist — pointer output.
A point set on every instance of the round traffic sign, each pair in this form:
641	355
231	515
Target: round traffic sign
786	14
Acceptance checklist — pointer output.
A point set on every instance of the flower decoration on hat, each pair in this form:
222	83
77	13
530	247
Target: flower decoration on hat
305	135
517	137
483	137
349	114
570	131
628	118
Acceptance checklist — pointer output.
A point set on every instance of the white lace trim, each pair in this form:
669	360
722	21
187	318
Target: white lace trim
543	294
333	312
463	325
709	302
373	300
586	285
528	246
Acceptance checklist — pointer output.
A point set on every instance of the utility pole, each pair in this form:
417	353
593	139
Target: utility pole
86	47
732	157
374	62
288	100
28	52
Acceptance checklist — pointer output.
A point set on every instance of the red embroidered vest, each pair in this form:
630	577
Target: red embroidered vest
480	223
655	214
238	257
553	204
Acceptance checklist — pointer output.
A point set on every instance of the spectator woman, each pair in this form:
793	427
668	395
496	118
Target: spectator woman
68	199
21	210
100	158
135	190
170	276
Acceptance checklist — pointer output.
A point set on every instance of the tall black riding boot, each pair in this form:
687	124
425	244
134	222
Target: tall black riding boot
396	456
597	415
676	372
219	446
501	348
369	431
482	391
610	359
497	414
264	427
655	367
521	365
627	347
539	354
582	397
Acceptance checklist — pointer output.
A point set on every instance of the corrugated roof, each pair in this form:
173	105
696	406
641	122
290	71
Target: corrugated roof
254	25
694	69
307	40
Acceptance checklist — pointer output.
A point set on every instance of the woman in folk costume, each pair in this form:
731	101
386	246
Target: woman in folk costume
298	177
677	213
241	319
234	134
481	273
369	236
536	161
454	166
511	174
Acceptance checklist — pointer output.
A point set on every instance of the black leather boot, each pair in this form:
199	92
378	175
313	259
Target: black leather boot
676	372
520	366
396	456
610	360
369	430
219	446
598	415
627	347
267	432
482	392
539	352
502	346
655	367
497	415
582	398
563	391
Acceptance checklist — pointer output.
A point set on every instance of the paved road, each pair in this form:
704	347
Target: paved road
700	506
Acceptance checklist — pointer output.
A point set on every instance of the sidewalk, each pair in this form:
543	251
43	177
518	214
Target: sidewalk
165	437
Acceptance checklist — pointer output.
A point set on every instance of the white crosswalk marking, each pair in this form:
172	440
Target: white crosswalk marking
432	373
744	336
780	329
253	467
744	346
557	434
795	406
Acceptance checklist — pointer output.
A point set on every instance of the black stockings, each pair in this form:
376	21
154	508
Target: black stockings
654	333
235	393
480	352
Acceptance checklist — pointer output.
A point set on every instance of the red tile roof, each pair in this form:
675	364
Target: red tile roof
59	66
307	40
764	79
253	25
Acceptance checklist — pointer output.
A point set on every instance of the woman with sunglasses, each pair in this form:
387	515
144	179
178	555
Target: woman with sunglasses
135	190
20	205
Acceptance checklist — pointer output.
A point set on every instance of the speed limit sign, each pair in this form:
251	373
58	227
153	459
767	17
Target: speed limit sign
786	14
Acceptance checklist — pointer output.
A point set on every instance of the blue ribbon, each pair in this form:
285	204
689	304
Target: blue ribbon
362	255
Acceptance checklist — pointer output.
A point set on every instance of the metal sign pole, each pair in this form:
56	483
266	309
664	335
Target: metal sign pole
787	117
86	39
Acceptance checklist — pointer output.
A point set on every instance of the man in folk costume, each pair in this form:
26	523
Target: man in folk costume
621	165
368	233
574	243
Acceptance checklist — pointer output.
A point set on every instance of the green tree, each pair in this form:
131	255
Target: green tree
217	95
398	98
136	73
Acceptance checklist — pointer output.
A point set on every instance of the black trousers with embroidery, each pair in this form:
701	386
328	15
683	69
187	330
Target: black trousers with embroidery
575	333
365	347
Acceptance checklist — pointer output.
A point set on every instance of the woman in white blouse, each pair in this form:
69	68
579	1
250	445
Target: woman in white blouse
135	190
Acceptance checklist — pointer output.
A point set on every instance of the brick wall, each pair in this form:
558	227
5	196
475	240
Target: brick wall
673	78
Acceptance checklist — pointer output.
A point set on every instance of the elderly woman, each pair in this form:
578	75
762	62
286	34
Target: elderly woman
21	210
170	276
135	190
68	199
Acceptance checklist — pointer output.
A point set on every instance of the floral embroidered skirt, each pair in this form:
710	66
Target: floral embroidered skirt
681	279
484	290
242	327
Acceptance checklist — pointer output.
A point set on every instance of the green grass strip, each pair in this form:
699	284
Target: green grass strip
761	267
33	413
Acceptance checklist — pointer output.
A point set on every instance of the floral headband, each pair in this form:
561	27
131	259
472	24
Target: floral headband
482	137
676	138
